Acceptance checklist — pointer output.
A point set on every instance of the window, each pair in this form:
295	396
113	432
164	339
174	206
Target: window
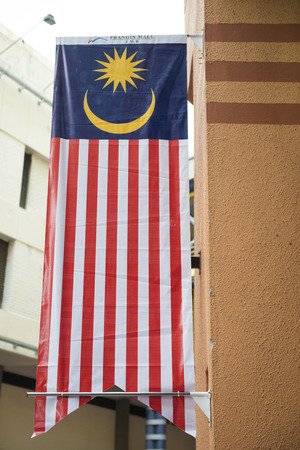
3	258
25	179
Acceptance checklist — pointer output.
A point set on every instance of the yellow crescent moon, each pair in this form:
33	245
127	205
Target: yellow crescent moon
118	128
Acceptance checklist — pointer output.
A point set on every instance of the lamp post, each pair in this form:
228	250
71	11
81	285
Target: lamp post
49	19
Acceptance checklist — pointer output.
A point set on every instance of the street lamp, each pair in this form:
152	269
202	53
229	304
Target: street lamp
49	19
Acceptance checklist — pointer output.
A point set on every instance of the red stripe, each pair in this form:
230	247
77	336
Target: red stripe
42	368
67	282
111	267
179	412
176	291
154	277
132	267
89	273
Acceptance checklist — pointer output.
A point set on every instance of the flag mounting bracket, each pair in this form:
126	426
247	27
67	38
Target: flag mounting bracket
204	403
201	398
196	262
198	39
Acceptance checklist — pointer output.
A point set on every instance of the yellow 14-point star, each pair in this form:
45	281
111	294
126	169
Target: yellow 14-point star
120	70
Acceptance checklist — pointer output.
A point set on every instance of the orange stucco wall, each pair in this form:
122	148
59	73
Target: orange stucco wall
246	94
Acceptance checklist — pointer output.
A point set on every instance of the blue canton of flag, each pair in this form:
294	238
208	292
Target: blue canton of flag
147	68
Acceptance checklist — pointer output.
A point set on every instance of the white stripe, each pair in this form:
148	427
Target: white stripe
121	275
187	321
113	40
143	270
187	316
78	277
50	412
165	281
190	416
97	376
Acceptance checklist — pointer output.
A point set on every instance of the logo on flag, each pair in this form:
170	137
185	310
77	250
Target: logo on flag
116	303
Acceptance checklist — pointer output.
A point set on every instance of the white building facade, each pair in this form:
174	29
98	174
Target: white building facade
24	152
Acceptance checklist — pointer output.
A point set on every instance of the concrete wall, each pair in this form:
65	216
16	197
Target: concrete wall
246	95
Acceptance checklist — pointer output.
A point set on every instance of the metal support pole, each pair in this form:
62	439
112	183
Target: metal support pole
201	398
117	394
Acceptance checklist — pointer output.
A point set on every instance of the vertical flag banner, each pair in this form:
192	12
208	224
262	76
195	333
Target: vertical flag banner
116	304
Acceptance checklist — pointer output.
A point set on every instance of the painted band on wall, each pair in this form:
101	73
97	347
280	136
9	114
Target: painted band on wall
253	113
252	32
253	71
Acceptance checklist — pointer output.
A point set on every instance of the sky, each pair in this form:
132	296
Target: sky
90	18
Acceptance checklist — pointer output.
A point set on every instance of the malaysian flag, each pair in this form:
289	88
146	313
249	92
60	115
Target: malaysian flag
116	304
